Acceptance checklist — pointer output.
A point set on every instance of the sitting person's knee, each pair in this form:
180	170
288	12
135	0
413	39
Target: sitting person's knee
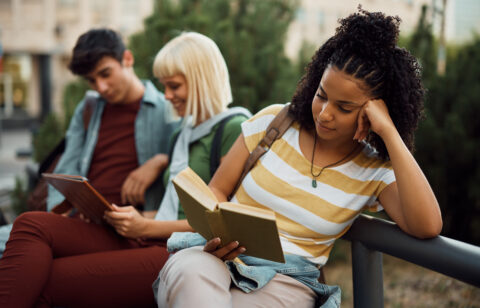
32	221
189	263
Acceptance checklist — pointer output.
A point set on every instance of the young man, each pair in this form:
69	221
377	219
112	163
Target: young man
121	150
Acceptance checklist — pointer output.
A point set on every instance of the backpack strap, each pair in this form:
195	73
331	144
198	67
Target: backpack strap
49	164
88	108
216	148
173	142
275	130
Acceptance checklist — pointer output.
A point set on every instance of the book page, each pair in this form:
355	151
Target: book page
198	202
196	187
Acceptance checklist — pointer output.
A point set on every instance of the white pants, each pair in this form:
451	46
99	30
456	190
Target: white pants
194	278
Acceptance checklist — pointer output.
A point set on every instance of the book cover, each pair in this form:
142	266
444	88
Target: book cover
254	228
81	195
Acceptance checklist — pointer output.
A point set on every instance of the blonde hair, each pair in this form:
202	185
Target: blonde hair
198	58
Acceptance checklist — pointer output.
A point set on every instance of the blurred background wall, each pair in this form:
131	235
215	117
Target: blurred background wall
37	37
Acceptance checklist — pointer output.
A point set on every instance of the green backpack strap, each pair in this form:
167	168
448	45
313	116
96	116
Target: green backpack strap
172	144
216	149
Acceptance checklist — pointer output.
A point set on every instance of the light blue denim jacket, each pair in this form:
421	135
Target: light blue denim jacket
258	272
154	124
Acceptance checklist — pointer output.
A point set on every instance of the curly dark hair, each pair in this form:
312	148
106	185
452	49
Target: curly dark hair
365	47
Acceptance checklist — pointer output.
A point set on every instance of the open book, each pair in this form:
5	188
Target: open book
81	195
253	228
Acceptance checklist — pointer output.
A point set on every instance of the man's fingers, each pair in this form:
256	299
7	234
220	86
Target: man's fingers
117	215
140	193
126	188
84	218
136	192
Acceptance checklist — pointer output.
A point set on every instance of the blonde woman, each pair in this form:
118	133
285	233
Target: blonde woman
68	262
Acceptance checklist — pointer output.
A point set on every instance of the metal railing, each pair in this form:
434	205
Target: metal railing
370	237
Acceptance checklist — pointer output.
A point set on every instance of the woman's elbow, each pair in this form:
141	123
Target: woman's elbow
430	229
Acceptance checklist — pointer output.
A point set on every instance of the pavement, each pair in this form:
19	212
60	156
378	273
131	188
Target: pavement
11	165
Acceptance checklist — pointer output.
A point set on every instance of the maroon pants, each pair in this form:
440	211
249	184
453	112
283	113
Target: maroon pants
51	260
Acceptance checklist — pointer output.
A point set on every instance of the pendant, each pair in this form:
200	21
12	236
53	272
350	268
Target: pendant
314	183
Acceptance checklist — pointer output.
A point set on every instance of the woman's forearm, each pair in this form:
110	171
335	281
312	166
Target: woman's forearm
163	229
418	204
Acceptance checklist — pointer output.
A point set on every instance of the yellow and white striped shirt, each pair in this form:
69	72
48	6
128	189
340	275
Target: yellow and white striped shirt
309	219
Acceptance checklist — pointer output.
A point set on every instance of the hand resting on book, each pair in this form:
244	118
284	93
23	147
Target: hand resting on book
227	252
127	221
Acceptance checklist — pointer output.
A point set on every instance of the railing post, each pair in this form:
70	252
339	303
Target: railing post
367	276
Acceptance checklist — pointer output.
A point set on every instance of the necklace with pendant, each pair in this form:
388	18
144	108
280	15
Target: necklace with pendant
315	176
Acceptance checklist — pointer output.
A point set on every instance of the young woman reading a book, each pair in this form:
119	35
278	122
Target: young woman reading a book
348	150
52	260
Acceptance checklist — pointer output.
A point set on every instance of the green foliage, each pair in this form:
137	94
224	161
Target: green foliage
47	137
19	197
249	33
448	141
72	95
422	45
53	129
340	252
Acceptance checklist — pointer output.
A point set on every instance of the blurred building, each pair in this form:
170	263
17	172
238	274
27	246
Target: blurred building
316	20
37	37
461	19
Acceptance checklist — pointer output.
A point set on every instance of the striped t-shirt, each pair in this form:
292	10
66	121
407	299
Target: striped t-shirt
309	219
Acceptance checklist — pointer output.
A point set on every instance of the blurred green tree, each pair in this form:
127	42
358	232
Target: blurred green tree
19	196
53	127
72	95
423	45
47	137
448	141
249	33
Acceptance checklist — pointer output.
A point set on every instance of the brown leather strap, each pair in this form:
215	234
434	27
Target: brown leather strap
90	103
275	130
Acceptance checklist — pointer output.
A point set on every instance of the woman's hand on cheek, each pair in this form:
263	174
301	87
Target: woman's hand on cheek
227	252
363	125
373	115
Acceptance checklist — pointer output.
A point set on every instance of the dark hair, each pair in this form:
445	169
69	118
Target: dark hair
364	46
93	46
